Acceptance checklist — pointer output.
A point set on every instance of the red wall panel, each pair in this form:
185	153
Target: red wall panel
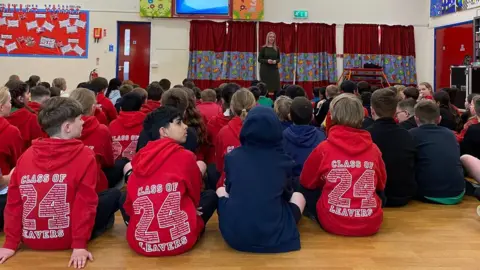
448	50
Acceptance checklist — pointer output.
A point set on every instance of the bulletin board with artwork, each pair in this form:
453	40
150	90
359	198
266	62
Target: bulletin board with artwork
44	33
443	7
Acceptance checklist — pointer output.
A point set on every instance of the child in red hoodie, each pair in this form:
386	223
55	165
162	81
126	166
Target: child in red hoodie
97	137
155	93
208	107
11	142
347	169
214	125
39	94
21	116
229	136
99	86
169	189
52	204
126	129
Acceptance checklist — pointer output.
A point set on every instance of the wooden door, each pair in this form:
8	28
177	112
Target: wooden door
133	54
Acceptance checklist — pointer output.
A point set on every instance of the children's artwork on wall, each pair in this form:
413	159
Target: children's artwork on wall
448	6
469	4
156	8
248	10
49	32
435	8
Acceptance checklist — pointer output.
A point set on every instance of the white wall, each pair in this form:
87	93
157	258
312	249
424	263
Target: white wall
170	36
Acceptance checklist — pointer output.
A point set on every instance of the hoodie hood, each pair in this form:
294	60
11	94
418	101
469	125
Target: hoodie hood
51	154
235	125
349	140
262	129
90	124
151	106
35	106
158	151
303	136
3	124
131	119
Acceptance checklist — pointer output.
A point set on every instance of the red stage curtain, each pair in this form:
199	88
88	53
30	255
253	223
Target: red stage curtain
241	53
286	41
361	45
207	50
316	57
398	54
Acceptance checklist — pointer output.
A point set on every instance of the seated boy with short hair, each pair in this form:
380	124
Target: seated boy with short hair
438	169
301	138
38	95
208	107
155	92
342	175
52	203
258	210
97	137
170	189
264	100
397	147
126	129
405	113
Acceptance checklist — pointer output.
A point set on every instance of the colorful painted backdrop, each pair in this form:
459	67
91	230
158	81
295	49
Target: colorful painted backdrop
156	8
248	10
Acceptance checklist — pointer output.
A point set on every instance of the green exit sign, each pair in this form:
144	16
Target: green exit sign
300	14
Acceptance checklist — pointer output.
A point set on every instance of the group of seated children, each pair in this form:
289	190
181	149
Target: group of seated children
182	152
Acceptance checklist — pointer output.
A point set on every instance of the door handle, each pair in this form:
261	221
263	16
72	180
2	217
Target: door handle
120	68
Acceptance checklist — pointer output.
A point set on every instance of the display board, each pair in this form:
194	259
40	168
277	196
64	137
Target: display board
44	32
443	7
156	8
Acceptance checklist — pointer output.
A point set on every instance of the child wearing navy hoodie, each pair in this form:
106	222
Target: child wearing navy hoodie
301	138
54	183
257	209
229	136
170	189
126	129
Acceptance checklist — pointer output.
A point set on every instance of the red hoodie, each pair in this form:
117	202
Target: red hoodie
349	169
228	139
98	138
11	146
213	128
107	107
35	106
125	131
101	117
209	110
27	124
51	201
162	200
150	106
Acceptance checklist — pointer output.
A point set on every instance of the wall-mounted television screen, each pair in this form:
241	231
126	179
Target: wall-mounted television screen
202	7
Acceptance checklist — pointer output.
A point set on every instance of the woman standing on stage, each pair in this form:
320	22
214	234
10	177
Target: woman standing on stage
269	58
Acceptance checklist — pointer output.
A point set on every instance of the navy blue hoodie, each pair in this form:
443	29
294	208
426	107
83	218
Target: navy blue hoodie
299	142
257	217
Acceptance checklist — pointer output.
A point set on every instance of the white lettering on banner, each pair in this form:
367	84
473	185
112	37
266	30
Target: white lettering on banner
6	37
8	15
31	25
64	23
47	42
72	40
40	16
53	206
147	247
13	23
47	234
10	47
169	215
48	26
364	187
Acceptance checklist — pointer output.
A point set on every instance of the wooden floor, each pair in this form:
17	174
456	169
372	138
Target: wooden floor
420	236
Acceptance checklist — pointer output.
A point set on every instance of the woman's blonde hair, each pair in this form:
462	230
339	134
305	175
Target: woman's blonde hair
347	110
428	85
86	98
4	95
274	43
282	107
242	102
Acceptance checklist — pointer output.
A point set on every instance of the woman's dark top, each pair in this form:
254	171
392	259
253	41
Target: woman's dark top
269	72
